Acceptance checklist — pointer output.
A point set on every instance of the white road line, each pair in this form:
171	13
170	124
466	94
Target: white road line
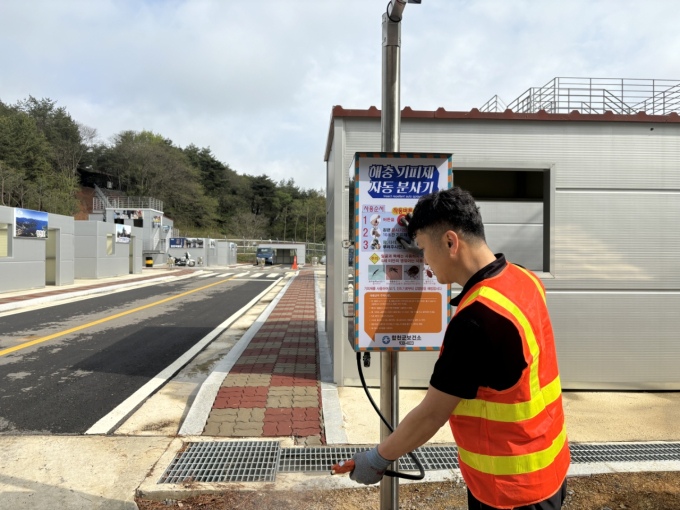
241	274
257	275
225	275
117	416
273	275
206	275
84	294
197	416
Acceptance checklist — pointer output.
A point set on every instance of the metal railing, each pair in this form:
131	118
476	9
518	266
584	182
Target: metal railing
136	203
495	104
100	201
596	96
105	199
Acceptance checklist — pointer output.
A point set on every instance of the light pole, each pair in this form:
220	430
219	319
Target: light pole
390	121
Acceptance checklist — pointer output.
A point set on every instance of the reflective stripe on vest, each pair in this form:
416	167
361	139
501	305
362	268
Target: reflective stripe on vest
496	411
533	279
498	298
515	464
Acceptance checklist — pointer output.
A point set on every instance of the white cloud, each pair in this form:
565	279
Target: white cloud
256	80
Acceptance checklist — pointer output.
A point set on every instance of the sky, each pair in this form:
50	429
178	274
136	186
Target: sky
255	80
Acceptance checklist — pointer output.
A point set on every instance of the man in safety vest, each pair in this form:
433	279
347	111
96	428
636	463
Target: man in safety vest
496	380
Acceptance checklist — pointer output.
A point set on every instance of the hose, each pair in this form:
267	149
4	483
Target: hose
413	456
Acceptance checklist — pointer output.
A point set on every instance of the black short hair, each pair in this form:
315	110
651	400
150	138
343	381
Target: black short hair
448	209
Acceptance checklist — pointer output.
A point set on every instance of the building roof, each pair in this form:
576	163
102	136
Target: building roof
507	115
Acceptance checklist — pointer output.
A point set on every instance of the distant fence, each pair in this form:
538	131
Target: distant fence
250	246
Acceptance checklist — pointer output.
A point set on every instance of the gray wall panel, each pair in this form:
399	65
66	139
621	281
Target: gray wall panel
25	268
92	259
511	212
623	339
593	154
617	240
86	268
521	244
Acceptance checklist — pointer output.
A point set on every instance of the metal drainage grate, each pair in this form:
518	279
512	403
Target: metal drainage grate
638	452
237	461
258	461
309	460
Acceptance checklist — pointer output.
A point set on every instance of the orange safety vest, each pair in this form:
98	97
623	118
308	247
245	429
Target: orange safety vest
512	444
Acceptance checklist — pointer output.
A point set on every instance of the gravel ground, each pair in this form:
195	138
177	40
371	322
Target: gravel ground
653	491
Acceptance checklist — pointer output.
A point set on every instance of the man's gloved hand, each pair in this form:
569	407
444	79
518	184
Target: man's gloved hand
410	246
369	467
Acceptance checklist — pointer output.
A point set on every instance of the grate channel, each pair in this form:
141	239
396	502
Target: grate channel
237	461
636	452
258	461
321	459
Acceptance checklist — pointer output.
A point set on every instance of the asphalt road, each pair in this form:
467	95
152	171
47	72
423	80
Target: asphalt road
66	384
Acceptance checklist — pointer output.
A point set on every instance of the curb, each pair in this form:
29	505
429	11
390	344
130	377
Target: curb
61	297
196	418
330	400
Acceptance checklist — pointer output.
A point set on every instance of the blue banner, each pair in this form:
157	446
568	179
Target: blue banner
402	181
177	242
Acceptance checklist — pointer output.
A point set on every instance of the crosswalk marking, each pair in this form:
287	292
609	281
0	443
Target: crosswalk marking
240	274
257	275
206	275
224	275
273	275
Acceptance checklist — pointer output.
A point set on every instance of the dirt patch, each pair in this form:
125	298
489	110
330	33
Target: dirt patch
151	427
635	491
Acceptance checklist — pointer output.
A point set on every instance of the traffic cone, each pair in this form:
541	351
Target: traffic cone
294	263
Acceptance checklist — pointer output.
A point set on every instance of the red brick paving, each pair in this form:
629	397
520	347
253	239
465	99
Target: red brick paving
291	325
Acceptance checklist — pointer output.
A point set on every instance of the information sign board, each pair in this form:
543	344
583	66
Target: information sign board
399	305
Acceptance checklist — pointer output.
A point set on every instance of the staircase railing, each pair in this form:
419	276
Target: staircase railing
100	202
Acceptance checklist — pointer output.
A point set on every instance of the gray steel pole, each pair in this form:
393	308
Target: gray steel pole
391	129
391	88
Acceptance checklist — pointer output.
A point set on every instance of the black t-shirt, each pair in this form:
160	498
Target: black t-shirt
481	347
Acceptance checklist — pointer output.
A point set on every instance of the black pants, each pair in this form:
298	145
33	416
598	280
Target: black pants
554	502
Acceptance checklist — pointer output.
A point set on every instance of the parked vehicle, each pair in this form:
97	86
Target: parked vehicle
267	254
186	260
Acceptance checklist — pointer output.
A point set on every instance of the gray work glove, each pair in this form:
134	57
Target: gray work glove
369	467
410	246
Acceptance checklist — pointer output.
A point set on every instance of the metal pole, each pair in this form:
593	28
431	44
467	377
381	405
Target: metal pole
390	128
391	90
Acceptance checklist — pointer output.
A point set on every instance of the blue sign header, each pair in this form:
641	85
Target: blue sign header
402	181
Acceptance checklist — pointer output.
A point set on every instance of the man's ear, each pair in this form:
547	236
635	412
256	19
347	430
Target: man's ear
451	239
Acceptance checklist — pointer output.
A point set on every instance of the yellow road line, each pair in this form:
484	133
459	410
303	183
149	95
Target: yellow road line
106	319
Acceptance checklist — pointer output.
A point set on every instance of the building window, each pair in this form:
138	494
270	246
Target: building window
501	185
4	239
513	211
110	243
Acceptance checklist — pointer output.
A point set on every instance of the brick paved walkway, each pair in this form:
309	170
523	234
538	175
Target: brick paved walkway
273	389
68	290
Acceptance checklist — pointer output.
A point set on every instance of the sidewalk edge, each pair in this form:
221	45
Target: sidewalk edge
196	418
330	400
